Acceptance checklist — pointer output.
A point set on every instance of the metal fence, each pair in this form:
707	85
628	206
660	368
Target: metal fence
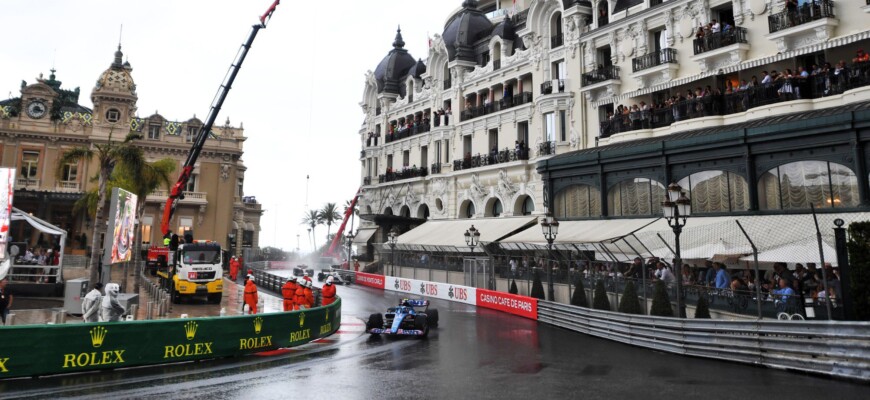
838	350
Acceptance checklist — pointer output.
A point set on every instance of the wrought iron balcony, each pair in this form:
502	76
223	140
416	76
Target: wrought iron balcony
600	75
546	148
362	154
406	132
496	65
367	181
653	3
718	40
654	59
497	157
503	104
556	41
447	84
547	87
405	173
435	168
805	13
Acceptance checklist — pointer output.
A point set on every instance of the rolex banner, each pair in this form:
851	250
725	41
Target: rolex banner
54	349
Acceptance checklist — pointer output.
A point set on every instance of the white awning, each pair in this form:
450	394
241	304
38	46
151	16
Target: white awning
803	251
40	225
452	232
590	231
363	235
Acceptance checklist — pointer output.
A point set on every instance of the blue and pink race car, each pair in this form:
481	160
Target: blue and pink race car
409	318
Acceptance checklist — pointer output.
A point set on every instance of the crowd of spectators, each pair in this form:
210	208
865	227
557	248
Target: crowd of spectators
44	259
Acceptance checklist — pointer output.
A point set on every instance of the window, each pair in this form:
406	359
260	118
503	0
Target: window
240	184
406	158
447	150
493	139
113	115
369	165
466	146
145	229
29	164
154	132
191	183
390	162
184	225
497	208
796	185
528	206
469	210
437	157
639	196
550	126
716	191
523	132
70	173
578	201
563	126
191	133
424	156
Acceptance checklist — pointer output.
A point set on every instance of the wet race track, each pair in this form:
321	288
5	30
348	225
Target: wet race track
472	354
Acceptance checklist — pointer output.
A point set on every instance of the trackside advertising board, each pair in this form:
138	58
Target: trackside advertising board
522	306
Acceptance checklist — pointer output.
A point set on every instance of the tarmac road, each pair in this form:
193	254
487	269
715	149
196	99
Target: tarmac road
472	354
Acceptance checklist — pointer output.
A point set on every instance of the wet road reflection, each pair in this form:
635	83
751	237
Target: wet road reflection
472	354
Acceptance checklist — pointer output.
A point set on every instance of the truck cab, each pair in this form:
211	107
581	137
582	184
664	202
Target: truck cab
197	270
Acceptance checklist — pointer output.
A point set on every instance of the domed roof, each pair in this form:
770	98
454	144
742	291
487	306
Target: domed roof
505	30
419	69
464	29
117	78
394	67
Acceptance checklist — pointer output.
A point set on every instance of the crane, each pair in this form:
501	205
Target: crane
337	239
177	192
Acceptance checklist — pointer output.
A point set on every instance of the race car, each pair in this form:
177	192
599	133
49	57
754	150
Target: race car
407	319
337	277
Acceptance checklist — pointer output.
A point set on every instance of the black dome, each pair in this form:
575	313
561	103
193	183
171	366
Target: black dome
505	30
419	69
463	30
394	67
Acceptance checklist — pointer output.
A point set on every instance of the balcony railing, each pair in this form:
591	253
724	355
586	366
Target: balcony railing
497	13
600	75
556	41
602	20
547	87
503	104
442	120
546	149
68	186
362	154
447	84
805	13
372	140
367	181
519	19
405	173
653	3
496	65
27	182
718	40
407	132
815	86
163	194
497	157
654	59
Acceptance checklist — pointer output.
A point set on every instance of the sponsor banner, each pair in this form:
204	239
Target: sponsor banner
122	225
443	291
510	303
7	189
370	280
51	349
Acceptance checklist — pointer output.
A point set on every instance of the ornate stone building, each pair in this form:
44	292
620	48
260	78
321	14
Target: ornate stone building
46	120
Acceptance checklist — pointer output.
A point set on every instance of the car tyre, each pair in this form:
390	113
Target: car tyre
215	298
375	321
432	316
422	324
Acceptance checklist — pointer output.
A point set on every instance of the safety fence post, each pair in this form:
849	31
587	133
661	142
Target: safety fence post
149	310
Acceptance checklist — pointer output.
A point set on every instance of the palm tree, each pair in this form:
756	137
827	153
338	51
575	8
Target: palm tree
355	207
150	177
107	155
329	215
312	218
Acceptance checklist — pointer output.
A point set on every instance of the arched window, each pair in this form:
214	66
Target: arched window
524	205
388	211
495	208
556	30
796	185
405	212
578	201
716	191
423	212
469	210
639	196
496	55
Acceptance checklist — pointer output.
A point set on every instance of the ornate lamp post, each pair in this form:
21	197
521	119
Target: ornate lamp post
550	227
392	237
677	208
350	237
472	238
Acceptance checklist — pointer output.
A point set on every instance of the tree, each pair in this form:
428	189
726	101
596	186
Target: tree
629	304
859	270
599	298
149	177
312	219
107	154
579	297
661	304
355	207
537	287
329	215
702	310
513	289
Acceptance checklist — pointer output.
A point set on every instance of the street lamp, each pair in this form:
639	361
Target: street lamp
350	237
550	227
676	207
392	237
472	238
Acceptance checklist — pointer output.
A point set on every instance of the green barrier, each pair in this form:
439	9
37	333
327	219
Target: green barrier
52	349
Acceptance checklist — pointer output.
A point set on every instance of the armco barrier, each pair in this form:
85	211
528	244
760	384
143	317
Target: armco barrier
518	305
53	349
838	349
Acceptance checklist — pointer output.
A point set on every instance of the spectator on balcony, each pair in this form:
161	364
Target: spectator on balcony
766	78
722	279
791	10
664	274
783	296
861	56
715	27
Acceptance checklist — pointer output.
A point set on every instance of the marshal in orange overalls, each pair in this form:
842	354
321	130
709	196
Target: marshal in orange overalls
251	295
328	293
288	291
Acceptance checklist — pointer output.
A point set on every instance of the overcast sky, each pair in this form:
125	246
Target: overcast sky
297	93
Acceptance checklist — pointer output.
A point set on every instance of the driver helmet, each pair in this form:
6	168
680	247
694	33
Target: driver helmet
329	280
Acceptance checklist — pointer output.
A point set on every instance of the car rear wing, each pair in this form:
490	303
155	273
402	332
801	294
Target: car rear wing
415	303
